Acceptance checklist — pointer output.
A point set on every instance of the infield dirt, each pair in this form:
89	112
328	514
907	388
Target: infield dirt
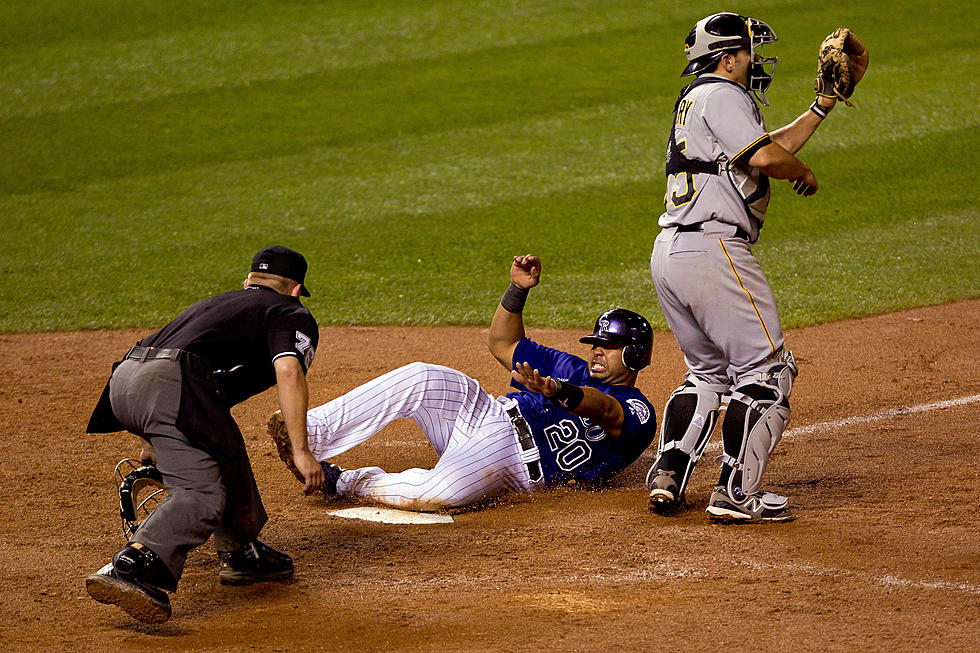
884	553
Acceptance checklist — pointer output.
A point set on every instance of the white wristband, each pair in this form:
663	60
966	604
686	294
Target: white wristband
822	112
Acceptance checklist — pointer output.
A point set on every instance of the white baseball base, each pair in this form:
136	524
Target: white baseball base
392	515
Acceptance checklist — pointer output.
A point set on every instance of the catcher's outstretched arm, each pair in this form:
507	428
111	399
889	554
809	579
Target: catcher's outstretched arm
793	137
841	63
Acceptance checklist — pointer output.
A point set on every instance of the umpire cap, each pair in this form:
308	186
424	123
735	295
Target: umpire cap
284	262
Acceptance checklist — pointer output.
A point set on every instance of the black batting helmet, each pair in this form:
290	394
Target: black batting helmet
622	328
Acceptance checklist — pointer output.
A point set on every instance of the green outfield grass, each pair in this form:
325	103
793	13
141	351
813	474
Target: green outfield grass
148	149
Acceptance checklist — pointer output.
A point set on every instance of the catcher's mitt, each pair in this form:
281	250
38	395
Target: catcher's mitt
841	63
133	477
280	436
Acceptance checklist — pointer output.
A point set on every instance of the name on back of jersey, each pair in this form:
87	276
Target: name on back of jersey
682	110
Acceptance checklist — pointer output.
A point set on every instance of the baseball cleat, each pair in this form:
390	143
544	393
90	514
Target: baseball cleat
280	436
756	508
139	599
664	497
331	474
253	563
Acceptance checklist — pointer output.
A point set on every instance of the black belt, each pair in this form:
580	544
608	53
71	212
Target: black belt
152	353
525	439
699	226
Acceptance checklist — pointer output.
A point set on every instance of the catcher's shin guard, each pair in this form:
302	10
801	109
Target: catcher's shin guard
757	415
689	419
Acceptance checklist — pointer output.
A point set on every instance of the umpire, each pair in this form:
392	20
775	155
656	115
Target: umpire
175	389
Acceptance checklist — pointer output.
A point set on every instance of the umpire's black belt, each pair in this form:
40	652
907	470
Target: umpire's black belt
699	226
152	353
524	436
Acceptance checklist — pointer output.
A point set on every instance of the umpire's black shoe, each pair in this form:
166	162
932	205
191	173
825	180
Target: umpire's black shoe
331	474
126	582
253	563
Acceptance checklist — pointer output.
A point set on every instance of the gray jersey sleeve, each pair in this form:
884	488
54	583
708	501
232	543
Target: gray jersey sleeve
731	119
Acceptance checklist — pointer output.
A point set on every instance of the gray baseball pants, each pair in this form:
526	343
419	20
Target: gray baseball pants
145	397
716	301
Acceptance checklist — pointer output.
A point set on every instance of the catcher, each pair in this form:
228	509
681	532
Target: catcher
714	295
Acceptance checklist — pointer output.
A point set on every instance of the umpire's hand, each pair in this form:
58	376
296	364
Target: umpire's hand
310	469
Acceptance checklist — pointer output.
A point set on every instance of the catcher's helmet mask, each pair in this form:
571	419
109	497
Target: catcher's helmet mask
131	478
725	32
622	328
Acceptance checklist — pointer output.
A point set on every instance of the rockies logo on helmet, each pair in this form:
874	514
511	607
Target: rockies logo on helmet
622	328
725	32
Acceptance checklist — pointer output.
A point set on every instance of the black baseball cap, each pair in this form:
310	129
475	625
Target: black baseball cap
284	262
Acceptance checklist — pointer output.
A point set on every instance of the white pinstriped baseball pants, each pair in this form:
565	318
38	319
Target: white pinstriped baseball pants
479	455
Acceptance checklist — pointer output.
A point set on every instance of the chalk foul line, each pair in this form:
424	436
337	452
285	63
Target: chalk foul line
884	414
833	425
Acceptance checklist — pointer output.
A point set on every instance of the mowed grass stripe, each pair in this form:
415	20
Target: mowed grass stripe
60	151
61	55
920	260
65	55
467	168
431	173
408	269
444	267
479	166
57	151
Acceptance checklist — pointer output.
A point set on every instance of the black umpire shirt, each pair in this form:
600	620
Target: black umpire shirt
239	334
234	339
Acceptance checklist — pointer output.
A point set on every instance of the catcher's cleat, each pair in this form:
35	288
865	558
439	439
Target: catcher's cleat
126	582
280	436
331	474
754	508
664	497
253	563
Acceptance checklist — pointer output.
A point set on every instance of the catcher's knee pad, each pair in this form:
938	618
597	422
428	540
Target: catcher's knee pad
757	415
689	419
777	371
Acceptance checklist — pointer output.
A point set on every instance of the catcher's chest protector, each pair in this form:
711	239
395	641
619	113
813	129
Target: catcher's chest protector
750	184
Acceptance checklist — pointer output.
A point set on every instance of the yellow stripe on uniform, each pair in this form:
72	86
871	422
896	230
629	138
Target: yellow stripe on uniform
749	147
751	299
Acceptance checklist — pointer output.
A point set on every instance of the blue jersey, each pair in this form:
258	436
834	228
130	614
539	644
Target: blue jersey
573	447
